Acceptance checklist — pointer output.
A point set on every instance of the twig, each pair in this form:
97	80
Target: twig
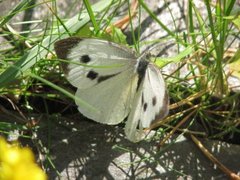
176	127
228	172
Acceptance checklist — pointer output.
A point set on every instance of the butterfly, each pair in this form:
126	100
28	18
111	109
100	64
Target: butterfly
116	82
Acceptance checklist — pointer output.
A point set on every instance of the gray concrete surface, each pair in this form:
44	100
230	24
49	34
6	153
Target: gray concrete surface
82	149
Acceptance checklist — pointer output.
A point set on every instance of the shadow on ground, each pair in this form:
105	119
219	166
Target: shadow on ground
82	149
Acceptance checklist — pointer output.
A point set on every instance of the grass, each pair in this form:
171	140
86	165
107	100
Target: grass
201	96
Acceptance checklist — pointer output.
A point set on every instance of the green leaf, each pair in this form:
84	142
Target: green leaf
163	61
236	22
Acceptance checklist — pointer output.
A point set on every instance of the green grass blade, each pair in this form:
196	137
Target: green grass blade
43	48
20	6
163	61
92	16
141	2
83	103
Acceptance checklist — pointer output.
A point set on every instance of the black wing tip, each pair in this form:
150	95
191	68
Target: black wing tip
63	46
62	49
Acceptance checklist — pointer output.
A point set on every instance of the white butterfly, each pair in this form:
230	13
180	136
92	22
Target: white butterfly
117	83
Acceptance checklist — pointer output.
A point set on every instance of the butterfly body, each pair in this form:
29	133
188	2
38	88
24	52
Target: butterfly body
117	83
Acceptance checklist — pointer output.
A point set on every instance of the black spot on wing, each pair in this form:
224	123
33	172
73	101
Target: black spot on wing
142	98
103	78
85	59
138	125
154	100
145	107
92	75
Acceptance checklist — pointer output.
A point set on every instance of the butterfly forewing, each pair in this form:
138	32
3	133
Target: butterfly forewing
92	60
113	98
150	103
154	98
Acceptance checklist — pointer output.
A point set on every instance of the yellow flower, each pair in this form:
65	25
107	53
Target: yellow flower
18	163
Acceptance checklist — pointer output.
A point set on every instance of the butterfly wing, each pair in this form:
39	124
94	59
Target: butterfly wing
92	60
103	73
150	103
112	98
106	78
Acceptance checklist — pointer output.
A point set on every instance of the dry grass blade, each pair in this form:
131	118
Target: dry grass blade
188	99
170	118
123	23
176	127
229	173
